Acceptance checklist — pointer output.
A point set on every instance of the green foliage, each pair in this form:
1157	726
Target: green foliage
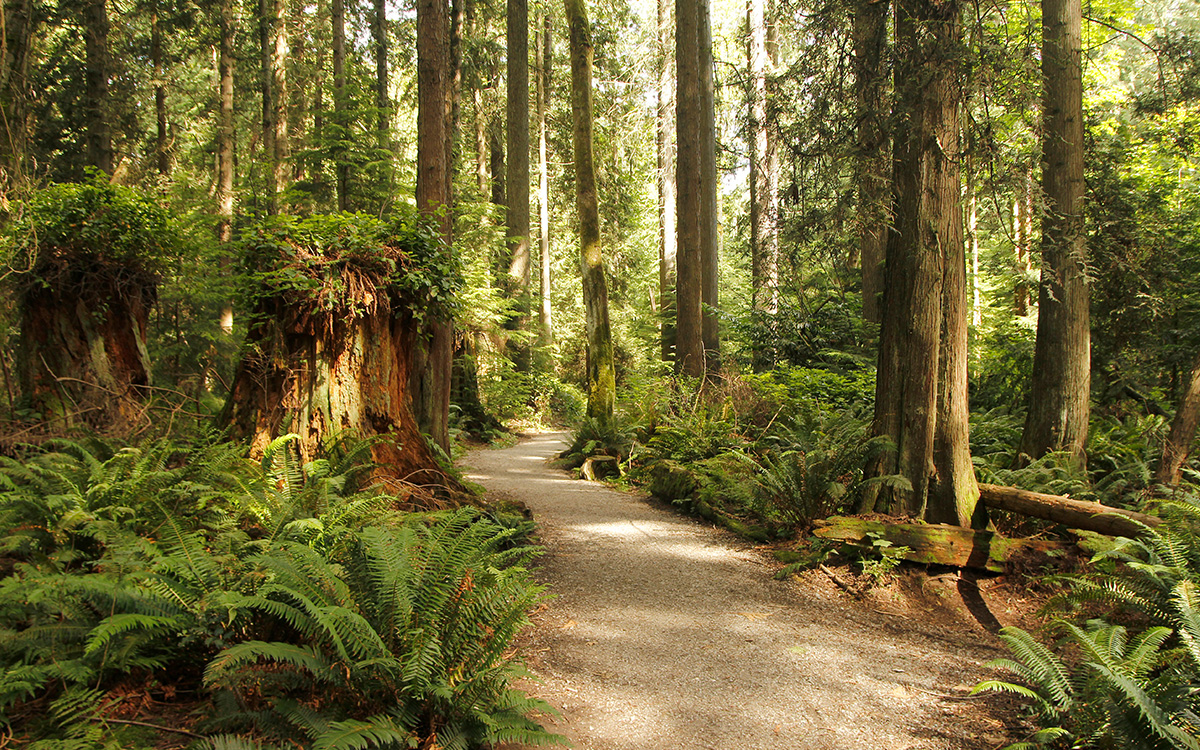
1109	688
881	559
133	561
407	630
94	228
351	265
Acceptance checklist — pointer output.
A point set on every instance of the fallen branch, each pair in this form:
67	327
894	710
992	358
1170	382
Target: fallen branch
840	583
146	724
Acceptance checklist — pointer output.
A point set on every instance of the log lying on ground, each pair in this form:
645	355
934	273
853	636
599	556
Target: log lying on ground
1074	514
938	544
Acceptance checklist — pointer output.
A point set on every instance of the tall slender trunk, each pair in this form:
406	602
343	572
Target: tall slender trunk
341	104
99	136
1060	389
709	216
517	178
665	141
382	103
764	242
17	40
869	30
162	158
433	373
545	61
481	144
601	372
266	82
689	342
225	145
1023	241
279	99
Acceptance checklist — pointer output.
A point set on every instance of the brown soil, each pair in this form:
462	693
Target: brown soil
665	633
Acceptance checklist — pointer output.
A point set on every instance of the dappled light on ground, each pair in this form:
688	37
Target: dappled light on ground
664	634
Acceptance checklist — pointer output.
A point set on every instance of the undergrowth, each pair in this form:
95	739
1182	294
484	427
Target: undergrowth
299	605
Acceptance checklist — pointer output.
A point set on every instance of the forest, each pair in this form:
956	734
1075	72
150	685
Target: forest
271	267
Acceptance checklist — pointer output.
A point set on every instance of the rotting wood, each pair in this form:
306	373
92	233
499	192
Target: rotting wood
1074	514
939	544
596	468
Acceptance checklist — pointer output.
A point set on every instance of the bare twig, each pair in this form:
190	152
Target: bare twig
148	725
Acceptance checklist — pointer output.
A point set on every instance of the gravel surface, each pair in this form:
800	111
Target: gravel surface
668	634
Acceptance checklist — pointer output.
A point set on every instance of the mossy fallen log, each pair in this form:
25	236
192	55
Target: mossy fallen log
938	544
1074	514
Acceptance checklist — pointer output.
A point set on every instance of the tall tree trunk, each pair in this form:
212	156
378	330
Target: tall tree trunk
664	121
279	96
19	23
1058	409
601	372
266	82
432	400
482	152
764	240
99	136
921	387
1023	241
872	175
382	103
689	342
162	158
225	144
1183	433
709	216
517	178
545	61
341	104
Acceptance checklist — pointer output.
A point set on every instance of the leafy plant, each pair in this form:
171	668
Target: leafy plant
406	632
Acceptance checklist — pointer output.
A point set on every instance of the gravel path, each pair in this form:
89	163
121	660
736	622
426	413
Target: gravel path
667	634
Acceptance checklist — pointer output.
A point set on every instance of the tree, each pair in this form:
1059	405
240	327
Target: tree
921	395
601	372
665	151
709	216
764	172
689	341
434	362
516	213
545	62
225	142
1060	389
869	30
99	135
19	27
341	105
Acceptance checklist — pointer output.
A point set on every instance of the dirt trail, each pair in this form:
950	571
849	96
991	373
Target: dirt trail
667	634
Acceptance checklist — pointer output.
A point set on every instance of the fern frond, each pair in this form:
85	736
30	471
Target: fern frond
376	731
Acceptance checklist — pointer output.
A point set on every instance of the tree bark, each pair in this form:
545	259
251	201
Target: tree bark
433	197
601	372
709	216
382	101
545	62
869	30
1074	514
1183	433
162	158
99	135
225	145
1060	389
689	342
279	98
665	142
19	24
921	384
764	239
341	103
516	215
1022	241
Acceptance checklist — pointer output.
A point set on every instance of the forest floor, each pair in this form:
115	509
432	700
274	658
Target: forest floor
665	633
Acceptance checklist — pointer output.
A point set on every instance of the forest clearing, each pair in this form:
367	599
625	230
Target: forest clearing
889	307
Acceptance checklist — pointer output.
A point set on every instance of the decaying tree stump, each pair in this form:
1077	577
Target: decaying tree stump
339	304
91	255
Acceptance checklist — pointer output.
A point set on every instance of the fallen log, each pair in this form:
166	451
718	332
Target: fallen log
935	543
1074	514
